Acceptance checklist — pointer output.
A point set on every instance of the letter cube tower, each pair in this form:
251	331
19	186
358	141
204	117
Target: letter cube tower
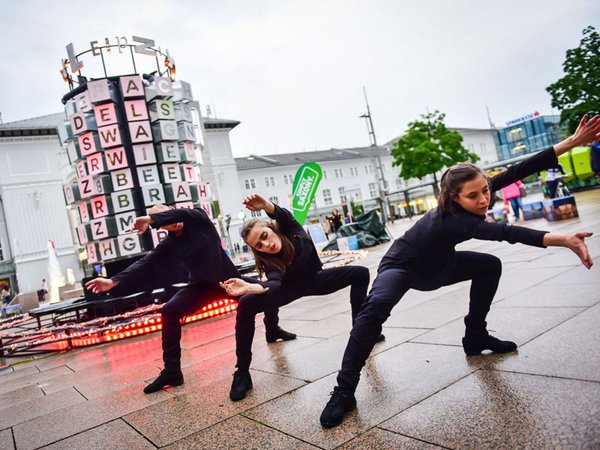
131	144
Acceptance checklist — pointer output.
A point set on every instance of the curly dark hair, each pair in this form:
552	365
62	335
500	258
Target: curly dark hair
452	182
280	260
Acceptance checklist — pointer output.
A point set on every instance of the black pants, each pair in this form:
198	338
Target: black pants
185	302
326	282
390	286
552	187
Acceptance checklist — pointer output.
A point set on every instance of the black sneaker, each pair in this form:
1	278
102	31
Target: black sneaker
474	346
380	338
279	333
165	379
338	405
242	383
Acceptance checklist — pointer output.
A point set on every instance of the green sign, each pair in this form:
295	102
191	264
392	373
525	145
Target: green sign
306	181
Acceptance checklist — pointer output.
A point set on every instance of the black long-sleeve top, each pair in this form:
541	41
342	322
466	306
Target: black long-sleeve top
198	248
306	262
427	251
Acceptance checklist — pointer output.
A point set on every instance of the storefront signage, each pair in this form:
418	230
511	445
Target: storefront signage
525	118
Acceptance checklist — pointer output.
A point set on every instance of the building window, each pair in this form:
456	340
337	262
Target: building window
327	197
250	183
339	173
373	190
353	171
398	183
324	174
269	181
342	192
274	199
255	213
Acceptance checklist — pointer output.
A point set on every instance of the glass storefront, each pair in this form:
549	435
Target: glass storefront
529	136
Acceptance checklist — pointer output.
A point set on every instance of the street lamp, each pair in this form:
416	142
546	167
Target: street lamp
381	183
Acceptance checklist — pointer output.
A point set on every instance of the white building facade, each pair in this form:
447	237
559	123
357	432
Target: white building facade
32	206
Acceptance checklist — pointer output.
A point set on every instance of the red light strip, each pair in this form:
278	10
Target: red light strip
145	326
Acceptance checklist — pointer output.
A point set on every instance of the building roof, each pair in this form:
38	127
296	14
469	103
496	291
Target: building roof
215	123
36	123
49	124
461	130
294	159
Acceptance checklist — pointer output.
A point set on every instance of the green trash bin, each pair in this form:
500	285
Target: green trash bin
582	163
565	161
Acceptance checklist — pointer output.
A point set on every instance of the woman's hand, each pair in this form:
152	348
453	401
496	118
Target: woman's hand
255	202
236	287
587	131
141	224
576	243
98	285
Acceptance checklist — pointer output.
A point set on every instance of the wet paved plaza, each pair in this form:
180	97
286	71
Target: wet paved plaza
417	391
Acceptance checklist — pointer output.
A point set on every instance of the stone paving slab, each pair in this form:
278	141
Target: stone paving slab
549	296
22	371
577	275
391	382
176	418
16	381
378	439
494	409
519	325
570	350
433	313
318	361
67	422
239	433
6	440
24	411
115	435
20	395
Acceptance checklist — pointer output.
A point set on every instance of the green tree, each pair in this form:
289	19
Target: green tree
578	92
356	208
427	147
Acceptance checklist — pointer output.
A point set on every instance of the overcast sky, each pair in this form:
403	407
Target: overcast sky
292	72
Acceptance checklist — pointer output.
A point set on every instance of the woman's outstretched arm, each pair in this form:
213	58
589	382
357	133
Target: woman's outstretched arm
575	242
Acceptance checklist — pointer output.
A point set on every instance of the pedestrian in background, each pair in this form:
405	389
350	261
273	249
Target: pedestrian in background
336	220
554	177
512	193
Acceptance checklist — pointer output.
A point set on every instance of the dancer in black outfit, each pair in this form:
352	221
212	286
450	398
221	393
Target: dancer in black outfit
425	259
194	241
286	256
